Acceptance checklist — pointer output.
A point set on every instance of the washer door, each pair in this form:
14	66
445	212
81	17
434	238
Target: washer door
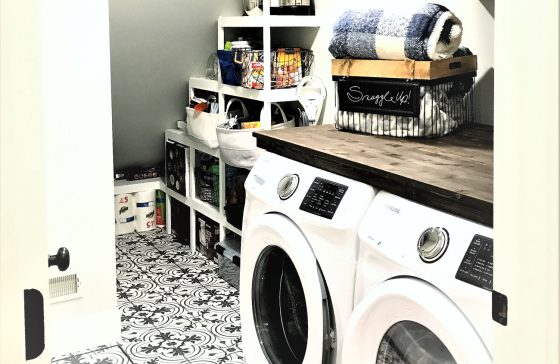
285	308
408	321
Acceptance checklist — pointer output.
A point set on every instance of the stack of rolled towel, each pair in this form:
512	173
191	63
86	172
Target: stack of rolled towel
422	32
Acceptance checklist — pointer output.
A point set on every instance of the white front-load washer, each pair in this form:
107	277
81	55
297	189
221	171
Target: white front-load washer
298	259
423	288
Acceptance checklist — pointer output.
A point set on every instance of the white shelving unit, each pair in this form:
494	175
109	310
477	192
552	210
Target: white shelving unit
267	23
215	213
267	96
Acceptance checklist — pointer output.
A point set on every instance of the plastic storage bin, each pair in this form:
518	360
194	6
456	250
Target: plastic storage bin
229	260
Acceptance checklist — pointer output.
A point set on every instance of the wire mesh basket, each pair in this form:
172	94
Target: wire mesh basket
207	184
288	67
380	106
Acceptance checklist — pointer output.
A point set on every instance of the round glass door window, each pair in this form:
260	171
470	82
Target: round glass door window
279	308
408	342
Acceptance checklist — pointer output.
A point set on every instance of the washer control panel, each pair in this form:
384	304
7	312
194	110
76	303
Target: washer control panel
477	265
323	197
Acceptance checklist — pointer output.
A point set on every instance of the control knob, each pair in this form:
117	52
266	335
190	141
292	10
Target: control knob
287	186
432	244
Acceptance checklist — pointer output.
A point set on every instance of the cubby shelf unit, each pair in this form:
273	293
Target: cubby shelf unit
215	213
267	22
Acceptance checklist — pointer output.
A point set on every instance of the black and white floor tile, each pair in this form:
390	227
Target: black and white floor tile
174	307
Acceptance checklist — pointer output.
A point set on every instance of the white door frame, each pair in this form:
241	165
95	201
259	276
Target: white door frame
527	193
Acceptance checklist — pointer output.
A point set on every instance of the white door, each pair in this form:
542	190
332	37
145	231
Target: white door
57	171
285	308
23	244
408	321
79	176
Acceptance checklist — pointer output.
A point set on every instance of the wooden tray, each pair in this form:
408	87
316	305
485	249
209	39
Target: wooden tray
407	69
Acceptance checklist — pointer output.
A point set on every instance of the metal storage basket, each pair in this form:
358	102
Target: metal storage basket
288	67
405	108
207	186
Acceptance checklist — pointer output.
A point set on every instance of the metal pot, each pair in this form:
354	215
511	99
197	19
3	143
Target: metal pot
253	7
295	2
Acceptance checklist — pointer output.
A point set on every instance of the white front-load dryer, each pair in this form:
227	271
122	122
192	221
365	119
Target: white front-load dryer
298	260
423	288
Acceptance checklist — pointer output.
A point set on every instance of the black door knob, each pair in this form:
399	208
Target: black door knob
61	259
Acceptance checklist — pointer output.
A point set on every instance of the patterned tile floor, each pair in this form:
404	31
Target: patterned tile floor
174	307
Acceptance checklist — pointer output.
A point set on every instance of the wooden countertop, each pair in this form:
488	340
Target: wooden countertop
453	173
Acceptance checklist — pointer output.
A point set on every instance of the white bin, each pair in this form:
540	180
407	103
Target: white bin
145	210
124	214
202	126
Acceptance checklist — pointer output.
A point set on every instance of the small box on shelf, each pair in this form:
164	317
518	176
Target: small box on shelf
207	235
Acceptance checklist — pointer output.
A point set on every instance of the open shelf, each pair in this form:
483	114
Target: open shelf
277	95
280	21
124	186
216	213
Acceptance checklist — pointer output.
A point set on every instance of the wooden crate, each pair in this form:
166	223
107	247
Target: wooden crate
407	69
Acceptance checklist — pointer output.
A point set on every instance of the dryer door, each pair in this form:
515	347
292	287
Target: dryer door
408	321
285	308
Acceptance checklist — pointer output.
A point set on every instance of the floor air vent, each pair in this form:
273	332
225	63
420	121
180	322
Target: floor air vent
64	287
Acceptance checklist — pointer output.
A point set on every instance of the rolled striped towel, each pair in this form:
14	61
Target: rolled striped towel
421	32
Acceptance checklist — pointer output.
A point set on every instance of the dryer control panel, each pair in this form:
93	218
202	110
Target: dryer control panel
477	266
323	197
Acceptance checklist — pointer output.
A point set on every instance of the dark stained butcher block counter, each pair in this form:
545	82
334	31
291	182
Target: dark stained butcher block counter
453	173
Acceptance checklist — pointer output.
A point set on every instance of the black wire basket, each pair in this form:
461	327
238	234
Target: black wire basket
405	108
207	186
288	67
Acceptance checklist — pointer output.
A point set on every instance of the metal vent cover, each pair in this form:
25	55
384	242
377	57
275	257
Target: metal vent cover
63	286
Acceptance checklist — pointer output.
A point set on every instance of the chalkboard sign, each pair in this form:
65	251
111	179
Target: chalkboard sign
379	97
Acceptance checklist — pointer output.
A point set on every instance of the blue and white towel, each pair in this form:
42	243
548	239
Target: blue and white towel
421	32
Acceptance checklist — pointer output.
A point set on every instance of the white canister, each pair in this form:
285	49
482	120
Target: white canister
145	210
124	214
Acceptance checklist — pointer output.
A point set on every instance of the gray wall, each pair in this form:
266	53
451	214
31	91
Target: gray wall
156	45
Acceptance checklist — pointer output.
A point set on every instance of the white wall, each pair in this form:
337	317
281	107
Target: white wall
478	35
